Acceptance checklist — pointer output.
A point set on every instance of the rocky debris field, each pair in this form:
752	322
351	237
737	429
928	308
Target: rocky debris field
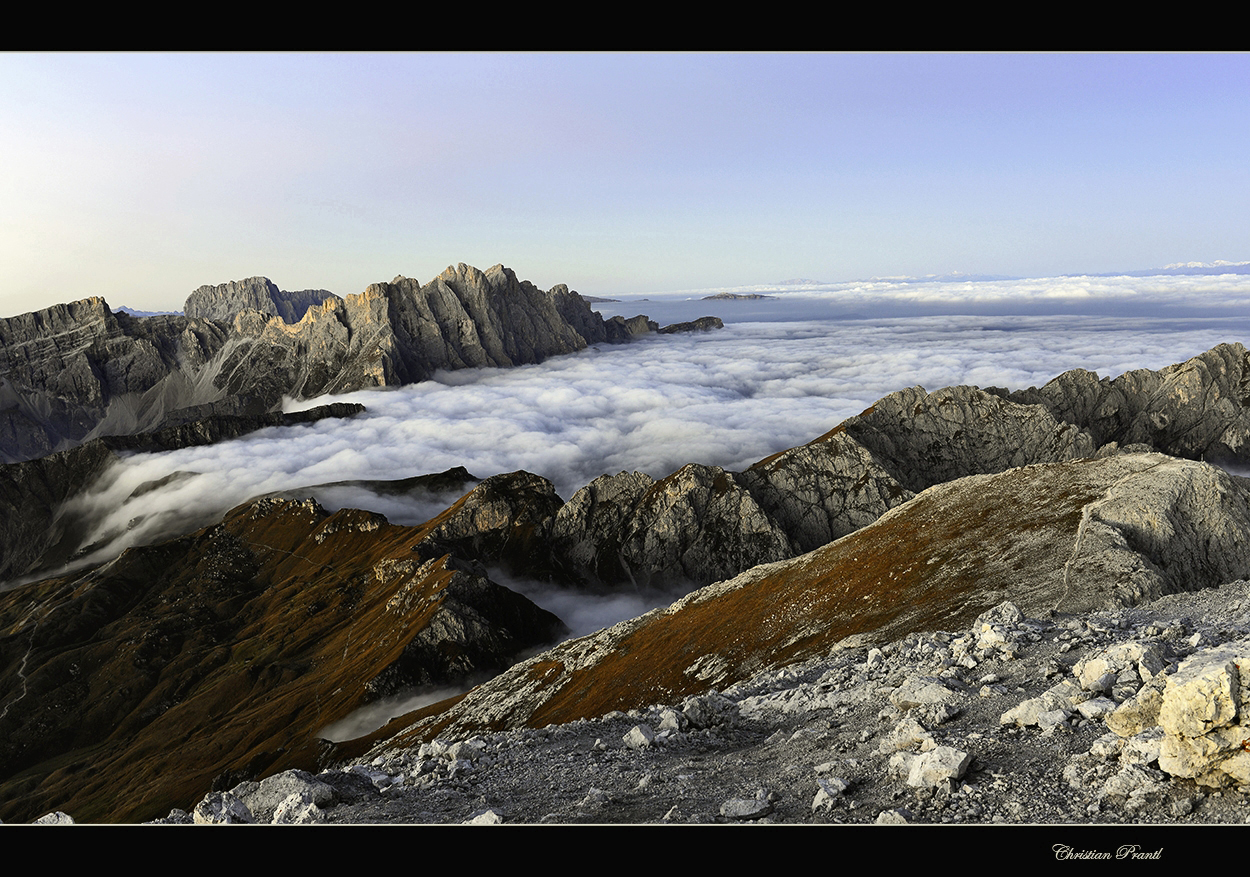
1128	716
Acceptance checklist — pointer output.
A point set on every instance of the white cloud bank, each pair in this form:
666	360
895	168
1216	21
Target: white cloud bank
1110	295
727	398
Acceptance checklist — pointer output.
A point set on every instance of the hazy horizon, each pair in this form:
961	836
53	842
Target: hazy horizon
1138	292
142	176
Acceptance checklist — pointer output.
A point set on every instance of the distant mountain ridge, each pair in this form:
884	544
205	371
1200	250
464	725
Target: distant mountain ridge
77	371
225	301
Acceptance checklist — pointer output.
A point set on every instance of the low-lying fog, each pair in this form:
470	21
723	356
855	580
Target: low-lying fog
727	398
782	372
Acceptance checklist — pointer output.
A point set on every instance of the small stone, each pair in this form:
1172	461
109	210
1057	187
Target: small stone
484	817
639	737
746	808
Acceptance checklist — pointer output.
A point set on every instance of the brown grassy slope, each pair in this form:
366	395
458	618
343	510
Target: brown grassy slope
934	563
126	690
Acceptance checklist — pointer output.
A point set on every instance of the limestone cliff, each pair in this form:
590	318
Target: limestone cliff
77	371
225	301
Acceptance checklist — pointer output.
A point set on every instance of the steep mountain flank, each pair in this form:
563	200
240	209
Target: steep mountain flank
31	496
225	301
1072	536
228	650
78	371
1197	409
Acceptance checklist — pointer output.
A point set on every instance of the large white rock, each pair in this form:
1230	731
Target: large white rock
639	737
1099	671
1205	692
920	690
936	765
219	808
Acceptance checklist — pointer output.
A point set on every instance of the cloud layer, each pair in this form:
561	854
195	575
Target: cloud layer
726	398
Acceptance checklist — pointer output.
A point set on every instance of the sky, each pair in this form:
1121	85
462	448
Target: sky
141	177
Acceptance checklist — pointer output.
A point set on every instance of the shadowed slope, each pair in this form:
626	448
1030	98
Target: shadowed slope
125	691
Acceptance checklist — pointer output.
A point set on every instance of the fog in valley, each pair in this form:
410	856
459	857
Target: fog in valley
764	383
779	374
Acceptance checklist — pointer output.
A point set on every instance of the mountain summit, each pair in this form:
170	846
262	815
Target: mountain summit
76	371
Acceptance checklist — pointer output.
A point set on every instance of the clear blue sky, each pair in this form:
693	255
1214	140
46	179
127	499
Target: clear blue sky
140	177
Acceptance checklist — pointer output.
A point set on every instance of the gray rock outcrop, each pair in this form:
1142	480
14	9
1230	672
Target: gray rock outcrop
619	328
700	524
702	324
1196	409
505	520
696	525
225	301
78	371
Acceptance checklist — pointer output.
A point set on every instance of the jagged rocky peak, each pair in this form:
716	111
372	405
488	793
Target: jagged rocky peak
62	368
1076	536
226	300
77	371
1198	409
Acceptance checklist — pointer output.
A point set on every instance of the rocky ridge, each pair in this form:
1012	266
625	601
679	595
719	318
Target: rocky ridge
78	371
1065	718
703	524
951	502
224	301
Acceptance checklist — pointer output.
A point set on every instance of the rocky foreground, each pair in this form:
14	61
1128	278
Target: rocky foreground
1124	716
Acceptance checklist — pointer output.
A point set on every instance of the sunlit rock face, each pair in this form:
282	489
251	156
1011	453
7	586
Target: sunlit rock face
76	371
1198	409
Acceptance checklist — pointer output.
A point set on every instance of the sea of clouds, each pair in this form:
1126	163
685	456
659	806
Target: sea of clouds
781	372
728	398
